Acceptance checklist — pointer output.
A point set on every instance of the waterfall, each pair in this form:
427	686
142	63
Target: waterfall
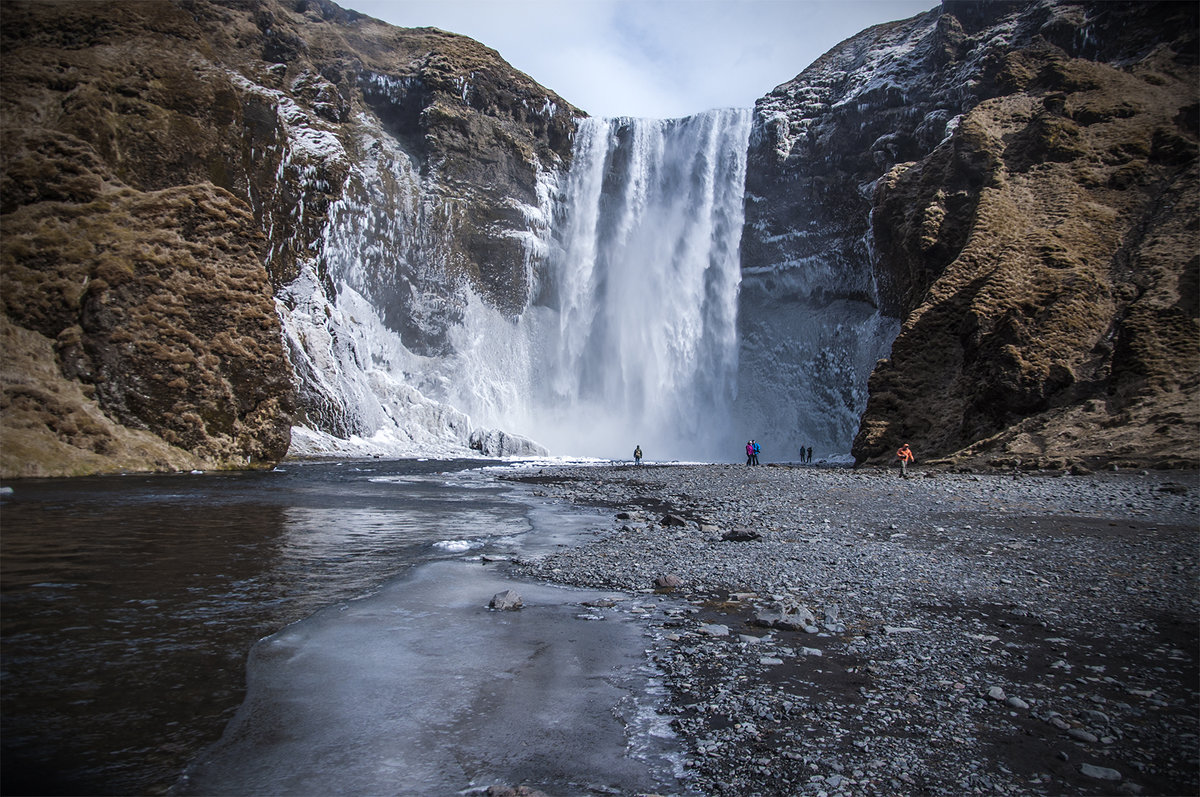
643	286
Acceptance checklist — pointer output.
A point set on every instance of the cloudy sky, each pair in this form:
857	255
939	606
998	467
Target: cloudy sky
651	58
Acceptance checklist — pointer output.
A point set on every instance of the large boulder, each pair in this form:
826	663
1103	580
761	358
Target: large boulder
498	443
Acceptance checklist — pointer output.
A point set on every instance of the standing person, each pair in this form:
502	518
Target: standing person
749	452
754	455
801	455
810	455
637	455
905	455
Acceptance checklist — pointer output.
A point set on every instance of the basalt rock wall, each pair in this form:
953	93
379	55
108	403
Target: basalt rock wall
1022	180
169	166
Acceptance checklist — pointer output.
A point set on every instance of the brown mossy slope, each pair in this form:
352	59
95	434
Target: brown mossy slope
53	426
156	313
124	257
1045	259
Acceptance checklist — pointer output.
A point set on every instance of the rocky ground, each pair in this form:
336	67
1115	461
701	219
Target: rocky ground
850	632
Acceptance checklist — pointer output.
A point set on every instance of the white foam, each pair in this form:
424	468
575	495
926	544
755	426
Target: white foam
457	545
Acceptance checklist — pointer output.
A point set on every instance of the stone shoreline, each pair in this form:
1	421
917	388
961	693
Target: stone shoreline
948	634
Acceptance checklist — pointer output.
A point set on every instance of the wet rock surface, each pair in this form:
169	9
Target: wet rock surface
947	634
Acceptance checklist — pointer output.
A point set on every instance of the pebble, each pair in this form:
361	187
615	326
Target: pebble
922	631
1099	773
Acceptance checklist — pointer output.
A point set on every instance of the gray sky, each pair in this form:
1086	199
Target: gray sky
651	58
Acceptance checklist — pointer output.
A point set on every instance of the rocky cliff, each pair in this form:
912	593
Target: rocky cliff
1021	179
168	167
223	218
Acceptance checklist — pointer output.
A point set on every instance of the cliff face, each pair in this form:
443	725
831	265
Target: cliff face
1022	179
169	166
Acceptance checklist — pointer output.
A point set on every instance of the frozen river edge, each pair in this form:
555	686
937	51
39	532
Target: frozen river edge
971	633
421	685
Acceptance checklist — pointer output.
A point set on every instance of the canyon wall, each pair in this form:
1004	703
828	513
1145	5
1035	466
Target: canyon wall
1016	185
169	168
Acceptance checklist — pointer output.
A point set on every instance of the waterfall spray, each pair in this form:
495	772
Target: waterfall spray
644	285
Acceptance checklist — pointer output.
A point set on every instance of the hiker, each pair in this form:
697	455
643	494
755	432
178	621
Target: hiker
754	453
810	455
905	455
801	455
749	452
637	455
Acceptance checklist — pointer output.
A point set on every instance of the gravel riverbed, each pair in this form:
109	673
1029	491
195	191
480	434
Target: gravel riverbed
848	632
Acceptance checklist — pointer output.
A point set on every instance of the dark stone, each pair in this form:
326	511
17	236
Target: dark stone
741	535
507	601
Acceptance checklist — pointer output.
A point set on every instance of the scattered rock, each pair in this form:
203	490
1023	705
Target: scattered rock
741	535
933	626
509	791
787	615
714	630
506	601
1099	773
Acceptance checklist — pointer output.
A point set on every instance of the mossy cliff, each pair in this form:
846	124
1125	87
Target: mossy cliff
168	166
1023	179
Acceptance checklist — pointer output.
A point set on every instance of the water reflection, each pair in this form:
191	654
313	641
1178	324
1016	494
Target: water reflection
129	603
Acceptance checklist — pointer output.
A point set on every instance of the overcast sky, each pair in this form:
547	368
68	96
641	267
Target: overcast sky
651	58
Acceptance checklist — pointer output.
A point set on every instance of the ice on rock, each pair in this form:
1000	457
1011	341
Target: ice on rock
631	324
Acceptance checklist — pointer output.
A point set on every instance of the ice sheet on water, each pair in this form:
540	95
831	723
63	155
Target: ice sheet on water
420	689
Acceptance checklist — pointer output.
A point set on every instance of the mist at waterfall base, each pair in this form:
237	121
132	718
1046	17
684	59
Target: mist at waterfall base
630	335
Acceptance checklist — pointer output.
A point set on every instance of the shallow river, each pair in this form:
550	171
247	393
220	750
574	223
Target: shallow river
321	628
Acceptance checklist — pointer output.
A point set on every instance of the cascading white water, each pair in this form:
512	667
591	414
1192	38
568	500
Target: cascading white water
642	349
630	337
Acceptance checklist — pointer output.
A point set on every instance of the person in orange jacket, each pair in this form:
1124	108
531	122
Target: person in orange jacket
905	455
